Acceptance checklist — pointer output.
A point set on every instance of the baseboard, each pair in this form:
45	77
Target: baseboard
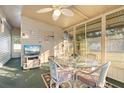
115	82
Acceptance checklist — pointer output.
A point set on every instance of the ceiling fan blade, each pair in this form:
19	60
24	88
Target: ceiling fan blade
65	6
67	12
44	10
55	18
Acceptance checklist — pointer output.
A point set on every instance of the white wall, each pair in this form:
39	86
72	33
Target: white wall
37	33
5	43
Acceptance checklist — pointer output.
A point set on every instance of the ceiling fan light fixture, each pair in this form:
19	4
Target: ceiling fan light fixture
57	12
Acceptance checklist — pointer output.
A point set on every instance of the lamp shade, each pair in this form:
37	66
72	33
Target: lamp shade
1	26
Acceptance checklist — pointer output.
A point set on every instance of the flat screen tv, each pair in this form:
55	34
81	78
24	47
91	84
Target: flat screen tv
32	49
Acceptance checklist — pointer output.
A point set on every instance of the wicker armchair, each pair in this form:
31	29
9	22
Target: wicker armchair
95	78
59	74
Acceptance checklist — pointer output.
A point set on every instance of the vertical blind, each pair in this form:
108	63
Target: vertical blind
5	46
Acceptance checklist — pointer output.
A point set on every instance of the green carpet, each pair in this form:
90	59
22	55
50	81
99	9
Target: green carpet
12	75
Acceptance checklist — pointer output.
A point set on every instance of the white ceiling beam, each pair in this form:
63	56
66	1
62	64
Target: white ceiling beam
80	12
99	16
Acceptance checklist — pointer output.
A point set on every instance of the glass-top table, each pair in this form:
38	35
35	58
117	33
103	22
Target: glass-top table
75	63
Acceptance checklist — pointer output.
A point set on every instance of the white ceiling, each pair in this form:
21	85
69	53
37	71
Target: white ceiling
13	14
81	13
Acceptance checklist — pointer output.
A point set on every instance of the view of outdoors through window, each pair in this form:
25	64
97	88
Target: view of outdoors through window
17	44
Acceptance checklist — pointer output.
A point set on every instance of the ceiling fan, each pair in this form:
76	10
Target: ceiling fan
57	11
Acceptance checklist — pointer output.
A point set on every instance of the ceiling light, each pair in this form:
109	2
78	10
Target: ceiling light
57	12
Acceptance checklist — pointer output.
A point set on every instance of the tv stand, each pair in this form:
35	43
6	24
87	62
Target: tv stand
31	61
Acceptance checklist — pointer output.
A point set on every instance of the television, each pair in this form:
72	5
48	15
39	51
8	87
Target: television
32	49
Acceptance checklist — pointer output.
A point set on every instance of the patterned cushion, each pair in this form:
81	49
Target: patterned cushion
87	79
64	75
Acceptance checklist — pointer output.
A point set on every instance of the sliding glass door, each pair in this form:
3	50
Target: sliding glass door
93	36
80	41
115	45
88	39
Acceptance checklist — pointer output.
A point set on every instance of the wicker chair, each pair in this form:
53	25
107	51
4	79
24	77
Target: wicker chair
92	56
59	74
90	59
95	78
